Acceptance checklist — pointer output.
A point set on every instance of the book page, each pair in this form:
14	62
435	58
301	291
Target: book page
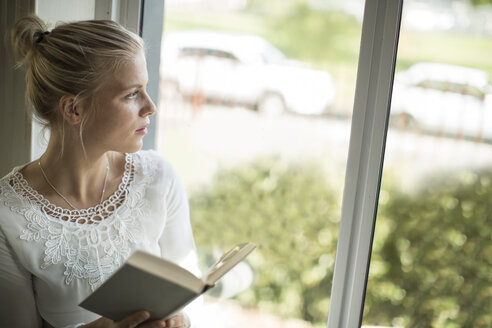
228	261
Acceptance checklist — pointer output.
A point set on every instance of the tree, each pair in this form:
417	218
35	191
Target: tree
481	2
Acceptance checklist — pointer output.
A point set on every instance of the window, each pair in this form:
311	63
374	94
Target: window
430	264
255	117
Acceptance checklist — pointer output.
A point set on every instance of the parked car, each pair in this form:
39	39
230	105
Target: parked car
443	99
242	69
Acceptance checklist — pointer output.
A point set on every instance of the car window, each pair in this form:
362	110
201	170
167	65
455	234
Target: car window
434	85
473	91
445	86
203	52
271	55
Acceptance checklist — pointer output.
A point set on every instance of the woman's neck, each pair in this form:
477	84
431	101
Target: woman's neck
81	178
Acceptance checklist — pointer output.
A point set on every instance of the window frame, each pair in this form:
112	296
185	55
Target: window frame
374	86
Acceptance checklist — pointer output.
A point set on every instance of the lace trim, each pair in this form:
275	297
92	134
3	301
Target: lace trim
94	214
89	251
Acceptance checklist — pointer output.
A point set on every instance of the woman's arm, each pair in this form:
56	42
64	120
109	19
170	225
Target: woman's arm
17	302
177	243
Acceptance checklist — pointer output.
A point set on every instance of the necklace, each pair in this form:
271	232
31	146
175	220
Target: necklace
64	198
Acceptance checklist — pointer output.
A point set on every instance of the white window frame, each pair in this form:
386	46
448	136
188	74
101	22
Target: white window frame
377	58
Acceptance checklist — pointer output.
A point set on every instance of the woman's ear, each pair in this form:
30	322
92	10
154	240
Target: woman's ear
69	110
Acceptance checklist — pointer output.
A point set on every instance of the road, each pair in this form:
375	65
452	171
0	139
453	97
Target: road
199	143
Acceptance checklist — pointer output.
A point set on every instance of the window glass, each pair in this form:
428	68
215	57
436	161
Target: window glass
431	262
255	106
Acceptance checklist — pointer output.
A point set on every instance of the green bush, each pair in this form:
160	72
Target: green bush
432	262
290	212
432	255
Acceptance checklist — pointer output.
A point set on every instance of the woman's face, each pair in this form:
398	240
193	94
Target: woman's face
122	110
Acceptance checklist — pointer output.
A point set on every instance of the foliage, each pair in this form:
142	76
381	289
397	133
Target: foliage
454	48
432	263
481	2
316	36
320	37
291	213
432	255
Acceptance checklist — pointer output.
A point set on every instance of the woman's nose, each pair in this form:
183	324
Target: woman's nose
148	108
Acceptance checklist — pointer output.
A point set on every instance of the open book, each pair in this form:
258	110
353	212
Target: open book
148	282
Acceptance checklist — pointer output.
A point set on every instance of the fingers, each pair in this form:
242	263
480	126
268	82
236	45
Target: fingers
137	319
178	321
153	324
133	320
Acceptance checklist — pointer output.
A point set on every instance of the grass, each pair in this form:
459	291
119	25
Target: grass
331	41
459	49
236	22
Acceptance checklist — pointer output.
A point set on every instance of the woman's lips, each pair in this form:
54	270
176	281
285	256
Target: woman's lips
142	131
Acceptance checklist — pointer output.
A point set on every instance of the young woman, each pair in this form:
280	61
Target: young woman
71	218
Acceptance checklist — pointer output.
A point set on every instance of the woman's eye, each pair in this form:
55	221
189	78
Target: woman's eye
133	94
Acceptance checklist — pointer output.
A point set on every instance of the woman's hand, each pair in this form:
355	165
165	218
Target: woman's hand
177	321
132	321
136	321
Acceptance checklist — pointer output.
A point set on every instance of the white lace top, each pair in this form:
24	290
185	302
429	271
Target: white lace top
52	258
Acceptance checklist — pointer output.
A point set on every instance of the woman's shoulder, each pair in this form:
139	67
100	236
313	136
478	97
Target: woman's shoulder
6	180
11	172
9	198
151	163
4	186
152	158
23	168
148	155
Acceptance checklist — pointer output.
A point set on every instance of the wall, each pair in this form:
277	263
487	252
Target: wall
20	137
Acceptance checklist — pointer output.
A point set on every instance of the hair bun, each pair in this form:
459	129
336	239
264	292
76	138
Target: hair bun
25	35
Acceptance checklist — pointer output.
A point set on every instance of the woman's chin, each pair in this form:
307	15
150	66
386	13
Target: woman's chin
135	149
131	148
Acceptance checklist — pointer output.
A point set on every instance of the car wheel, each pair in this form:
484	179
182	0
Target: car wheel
271	104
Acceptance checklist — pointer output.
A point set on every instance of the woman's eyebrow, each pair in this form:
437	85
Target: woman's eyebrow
136	85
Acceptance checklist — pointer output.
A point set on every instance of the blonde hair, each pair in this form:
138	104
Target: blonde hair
73	58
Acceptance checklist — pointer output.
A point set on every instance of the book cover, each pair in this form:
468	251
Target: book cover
148	282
